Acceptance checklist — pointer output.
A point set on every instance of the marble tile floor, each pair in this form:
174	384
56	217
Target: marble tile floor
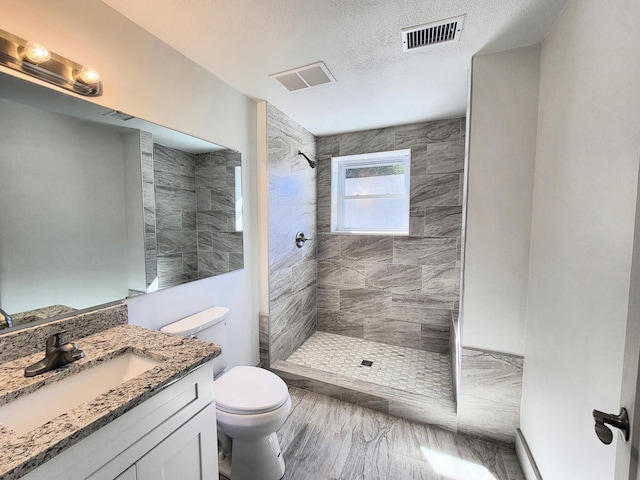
408	369
405	382
328	439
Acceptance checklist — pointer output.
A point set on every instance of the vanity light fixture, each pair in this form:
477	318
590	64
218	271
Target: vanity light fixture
36	53
36	60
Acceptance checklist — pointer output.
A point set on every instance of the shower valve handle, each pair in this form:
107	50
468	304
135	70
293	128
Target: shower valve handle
300	239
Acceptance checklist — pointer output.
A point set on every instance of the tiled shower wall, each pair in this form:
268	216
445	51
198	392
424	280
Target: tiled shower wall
401	290
194	215
292	208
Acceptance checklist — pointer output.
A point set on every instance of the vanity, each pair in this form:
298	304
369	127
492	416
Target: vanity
149	410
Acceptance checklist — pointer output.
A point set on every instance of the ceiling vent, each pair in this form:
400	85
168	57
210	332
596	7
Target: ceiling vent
304	77
117	114
432	33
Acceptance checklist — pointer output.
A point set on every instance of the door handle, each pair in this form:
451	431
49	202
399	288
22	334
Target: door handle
620	421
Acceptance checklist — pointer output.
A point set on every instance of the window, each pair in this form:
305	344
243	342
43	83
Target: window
370	193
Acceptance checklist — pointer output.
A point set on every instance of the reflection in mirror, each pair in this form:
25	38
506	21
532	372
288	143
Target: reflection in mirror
97	208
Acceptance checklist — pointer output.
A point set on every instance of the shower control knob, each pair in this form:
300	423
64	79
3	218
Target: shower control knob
300	239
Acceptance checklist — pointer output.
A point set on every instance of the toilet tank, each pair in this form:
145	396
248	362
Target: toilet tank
210	325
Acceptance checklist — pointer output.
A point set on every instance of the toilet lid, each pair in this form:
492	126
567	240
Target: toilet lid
249	390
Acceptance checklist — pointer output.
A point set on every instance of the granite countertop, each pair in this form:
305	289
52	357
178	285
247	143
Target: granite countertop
179	355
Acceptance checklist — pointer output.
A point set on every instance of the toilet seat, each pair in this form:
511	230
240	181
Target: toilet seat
249	391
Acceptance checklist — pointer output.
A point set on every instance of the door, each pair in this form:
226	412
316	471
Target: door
189	453
627	467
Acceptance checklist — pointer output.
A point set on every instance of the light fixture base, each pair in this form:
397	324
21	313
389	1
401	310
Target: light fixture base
58	70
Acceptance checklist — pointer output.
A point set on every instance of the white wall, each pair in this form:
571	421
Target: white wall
582	231
503	117
63	236
147	79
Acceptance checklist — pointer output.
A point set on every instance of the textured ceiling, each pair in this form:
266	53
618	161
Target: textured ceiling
244	41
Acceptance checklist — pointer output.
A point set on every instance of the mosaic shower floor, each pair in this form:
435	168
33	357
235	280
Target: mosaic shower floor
407	369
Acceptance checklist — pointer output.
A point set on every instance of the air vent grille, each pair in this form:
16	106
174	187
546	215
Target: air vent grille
117	114
304	77
432	33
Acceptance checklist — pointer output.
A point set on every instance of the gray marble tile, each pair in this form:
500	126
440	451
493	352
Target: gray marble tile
283	314
308	297
418	159
440	419
230	242
280	284
441	280
169	264
213	261
424	251
175	180
445	157
223	198
341	274
328	246
323	178
340	323
212	221
429	132
420	300
303	329
442	221
404	449
416	221
393	278
176	242
169	220
328	146
171	160
393	332
263	339
205	241
369	248
436	190
211	177
175	199
283	137
178	279
419	314
279	348
490	394
236	261
368	141
303	275
435	338
328	298
511	463
189	220
365	302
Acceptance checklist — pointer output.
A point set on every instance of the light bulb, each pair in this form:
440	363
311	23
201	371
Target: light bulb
88	75
36	53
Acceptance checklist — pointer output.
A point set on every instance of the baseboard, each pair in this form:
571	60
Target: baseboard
527	462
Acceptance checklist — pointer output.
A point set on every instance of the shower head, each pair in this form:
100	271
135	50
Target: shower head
312	164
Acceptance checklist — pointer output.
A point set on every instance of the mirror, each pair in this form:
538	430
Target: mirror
97	206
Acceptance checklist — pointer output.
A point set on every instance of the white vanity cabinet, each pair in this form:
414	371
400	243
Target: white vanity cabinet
170	436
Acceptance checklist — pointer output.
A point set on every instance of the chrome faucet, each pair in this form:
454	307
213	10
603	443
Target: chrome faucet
5	319
59	352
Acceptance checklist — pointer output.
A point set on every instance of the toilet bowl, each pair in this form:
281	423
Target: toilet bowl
249	422
251	405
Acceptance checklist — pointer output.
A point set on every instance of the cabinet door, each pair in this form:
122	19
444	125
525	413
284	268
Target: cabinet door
189	453
128	474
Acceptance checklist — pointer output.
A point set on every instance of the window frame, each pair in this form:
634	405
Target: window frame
339	166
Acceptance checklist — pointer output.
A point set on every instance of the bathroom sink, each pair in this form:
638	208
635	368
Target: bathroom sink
35	409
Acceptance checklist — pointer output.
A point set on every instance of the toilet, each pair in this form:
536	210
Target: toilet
251	404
